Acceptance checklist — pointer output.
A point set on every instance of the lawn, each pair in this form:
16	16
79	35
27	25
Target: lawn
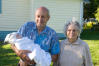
9	58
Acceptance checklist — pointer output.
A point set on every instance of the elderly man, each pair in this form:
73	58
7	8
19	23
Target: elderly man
41	35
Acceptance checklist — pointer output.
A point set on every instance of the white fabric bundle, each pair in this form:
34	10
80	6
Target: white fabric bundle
41	57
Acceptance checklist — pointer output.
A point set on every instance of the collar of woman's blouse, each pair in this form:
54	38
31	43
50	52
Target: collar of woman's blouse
76	42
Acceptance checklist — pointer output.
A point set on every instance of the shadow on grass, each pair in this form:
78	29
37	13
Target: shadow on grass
7	57
90	35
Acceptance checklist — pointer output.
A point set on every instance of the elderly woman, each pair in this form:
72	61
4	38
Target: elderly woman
74	51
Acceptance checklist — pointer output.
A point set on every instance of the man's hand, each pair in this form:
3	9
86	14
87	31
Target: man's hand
54	57
22	54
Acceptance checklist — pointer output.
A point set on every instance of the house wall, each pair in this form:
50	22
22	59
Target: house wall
60	11
0	7
14	14
17	12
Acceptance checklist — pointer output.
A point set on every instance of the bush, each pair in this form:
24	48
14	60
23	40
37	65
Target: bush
88	25
97	14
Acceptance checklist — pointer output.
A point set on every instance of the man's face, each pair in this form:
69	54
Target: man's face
41	18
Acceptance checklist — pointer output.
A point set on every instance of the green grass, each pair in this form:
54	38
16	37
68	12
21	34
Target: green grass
92	38
9	58
94	49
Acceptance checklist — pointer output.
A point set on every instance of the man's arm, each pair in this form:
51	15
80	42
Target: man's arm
55	47
55	60
19	52
22	54
14	49
54	57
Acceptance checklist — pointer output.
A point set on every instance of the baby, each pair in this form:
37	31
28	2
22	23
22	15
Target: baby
37	54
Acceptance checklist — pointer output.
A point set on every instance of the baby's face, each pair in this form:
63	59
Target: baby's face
18	36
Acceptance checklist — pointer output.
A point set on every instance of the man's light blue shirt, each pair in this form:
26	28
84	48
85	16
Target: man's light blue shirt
47	39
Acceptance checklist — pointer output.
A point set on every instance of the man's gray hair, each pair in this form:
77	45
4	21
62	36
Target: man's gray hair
76	23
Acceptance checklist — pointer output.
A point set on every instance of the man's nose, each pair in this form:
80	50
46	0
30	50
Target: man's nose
40	19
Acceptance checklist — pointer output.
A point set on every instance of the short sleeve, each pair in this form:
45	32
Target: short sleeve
22	30
55	48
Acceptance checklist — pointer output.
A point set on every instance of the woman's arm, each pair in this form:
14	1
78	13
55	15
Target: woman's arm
87	58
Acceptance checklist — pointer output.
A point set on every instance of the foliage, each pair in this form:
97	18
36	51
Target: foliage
97	14
89	25
88	34
90	9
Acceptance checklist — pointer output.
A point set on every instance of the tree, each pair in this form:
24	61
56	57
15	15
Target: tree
97	14
90	9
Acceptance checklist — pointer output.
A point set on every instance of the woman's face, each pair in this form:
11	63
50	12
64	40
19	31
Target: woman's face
72	32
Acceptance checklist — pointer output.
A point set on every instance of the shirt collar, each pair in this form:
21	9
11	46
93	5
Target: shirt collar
44	31
76	42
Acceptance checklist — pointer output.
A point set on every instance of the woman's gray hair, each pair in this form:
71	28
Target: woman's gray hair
72	23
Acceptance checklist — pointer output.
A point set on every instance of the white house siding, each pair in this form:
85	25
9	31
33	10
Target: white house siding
17	12
60	11
14	14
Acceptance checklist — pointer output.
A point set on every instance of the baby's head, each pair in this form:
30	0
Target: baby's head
12	37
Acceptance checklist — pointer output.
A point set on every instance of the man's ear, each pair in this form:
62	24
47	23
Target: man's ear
48	18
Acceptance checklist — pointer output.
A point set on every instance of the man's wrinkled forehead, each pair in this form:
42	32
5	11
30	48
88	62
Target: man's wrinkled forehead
42	9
